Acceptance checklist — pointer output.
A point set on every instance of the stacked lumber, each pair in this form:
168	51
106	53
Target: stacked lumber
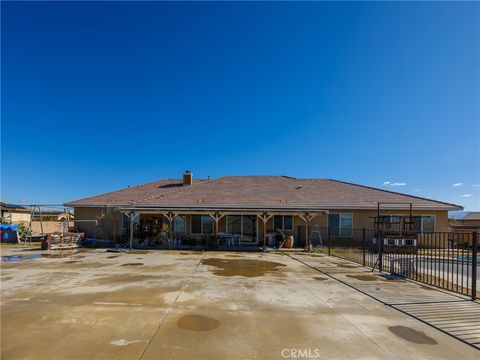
67	240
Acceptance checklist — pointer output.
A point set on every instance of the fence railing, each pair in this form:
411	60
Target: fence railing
447	260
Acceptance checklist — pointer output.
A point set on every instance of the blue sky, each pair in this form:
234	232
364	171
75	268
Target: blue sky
100	95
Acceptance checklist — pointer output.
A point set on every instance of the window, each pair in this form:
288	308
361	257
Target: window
391	222
340	224
425	223
202	224
179	225
283	222
243	225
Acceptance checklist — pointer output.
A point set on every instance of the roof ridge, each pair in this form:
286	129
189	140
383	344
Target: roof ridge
393	192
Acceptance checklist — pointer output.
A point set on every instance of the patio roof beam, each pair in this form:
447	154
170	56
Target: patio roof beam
222	212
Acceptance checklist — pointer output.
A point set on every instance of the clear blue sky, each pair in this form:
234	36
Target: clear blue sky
100	95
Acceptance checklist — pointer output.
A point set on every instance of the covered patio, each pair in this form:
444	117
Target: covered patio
216	228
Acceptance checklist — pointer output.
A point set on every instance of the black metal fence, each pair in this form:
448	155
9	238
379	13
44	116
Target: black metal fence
448	260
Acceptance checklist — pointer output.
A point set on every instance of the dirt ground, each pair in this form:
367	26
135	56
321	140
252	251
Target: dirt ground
194	305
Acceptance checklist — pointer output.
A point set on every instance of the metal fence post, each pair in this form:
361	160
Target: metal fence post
329	240
363	246
474	264
380	251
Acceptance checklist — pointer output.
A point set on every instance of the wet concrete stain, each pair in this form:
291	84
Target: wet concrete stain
132	264
58	255
319	278
364	277
121	279
197	323
347	266
126	295
412	335
241	267
16	258
39	264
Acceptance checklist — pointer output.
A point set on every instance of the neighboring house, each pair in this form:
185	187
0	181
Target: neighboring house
52	215
469	222
43	221
14	214
249	207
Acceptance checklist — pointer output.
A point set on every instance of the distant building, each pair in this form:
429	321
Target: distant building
13	214
469	222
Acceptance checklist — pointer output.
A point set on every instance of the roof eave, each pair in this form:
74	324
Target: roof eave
263	208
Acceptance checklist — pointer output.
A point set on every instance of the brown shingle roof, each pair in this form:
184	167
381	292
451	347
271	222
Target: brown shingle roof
474	215
6	206
264	192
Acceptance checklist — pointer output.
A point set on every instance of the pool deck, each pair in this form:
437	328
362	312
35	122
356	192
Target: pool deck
211	305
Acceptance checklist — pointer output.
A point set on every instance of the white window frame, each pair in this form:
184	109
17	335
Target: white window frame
201	225
434	223
339	227
283	222
401	216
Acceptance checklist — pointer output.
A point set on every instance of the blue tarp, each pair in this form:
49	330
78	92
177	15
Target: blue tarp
9	233
7	227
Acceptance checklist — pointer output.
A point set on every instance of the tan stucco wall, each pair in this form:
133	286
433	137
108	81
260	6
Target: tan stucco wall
17	218
50	226
110	225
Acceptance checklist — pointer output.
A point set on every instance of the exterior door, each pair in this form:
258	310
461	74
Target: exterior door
244	226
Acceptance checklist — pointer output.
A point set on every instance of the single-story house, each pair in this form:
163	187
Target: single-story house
13	213
249	208
468	222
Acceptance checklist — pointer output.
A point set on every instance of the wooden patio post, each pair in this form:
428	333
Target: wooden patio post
216	217
131	215
264	217
307	237
170	216
307	217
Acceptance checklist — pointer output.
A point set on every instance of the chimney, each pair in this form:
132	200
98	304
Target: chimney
187	178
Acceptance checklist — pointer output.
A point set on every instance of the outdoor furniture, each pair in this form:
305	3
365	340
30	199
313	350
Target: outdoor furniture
232	239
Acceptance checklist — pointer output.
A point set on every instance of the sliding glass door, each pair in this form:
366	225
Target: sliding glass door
244	226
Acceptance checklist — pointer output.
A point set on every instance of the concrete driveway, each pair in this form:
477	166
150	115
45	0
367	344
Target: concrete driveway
194	305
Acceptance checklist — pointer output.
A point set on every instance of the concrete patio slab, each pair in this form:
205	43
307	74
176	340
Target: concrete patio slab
213	305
